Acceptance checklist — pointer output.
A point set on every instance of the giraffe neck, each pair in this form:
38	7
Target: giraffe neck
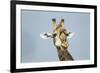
64	55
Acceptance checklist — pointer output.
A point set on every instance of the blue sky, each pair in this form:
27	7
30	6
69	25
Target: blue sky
36	49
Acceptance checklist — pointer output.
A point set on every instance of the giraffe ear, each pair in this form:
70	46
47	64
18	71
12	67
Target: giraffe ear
70	35
46	35
62	23
54	23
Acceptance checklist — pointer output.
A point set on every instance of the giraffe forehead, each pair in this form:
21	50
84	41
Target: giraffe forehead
59	29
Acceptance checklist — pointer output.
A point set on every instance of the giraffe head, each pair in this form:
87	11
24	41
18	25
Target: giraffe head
59	34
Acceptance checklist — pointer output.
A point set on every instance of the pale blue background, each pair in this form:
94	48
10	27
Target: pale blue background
36	49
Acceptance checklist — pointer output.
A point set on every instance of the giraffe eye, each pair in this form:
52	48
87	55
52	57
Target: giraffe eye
54	34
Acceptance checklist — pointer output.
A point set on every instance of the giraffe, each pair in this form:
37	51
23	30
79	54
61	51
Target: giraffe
60	40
